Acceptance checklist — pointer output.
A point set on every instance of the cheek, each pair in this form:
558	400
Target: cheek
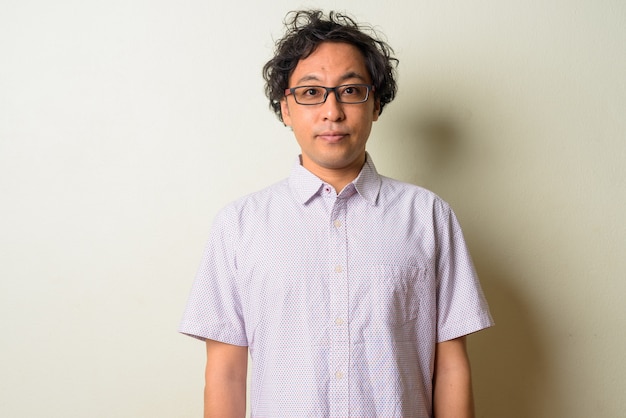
300	119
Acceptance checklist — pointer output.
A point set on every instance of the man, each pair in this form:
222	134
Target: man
351	291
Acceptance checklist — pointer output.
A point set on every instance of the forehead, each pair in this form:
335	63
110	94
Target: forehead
332	62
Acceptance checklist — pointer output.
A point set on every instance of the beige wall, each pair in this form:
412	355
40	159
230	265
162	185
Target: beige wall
125	125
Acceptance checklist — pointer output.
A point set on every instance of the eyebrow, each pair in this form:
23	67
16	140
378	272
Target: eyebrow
346	76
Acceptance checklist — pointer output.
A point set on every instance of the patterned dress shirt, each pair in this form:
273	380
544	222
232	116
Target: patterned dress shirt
341	298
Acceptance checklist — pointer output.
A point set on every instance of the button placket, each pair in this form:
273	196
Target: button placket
340	347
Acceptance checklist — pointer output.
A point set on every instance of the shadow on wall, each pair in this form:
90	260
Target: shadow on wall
509	363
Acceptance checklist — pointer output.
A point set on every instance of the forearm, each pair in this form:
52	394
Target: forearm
453	383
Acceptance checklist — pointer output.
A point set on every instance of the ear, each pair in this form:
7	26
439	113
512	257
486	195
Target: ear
284	111
376	110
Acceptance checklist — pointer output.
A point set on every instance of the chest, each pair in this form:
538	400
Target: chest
356	268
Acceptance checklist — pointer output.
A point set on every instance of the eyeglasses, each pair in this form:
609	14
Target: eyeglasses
346	93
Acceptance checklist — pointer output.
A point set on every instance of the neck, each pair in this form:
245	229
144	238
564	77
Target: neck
336	177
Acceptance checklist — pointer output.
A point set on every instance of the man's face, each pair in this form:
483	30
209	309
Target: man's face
332	135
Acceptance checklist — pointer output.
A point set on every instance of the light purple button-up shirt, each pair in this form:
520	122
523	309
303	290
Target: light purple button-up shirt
340	298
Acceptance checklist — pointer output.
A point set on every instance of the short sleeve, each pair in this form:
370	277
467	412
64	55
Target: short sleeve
214	309
461	305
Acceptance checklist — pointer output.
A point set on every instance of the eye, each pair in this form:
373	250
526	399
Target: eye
352	90
312	91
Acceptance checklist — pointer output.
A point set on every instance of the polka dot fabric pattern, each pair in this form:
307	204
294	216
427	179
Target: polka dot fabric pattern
340	297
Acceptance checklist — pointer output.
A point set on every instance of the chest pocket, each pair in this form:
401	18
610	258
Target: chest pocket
397	295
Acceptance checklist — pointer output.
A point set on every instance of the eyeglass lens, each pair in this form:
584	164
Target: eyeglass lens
347	93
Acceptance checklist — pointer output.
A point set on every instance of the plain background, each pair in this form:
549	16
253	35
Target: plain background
125	125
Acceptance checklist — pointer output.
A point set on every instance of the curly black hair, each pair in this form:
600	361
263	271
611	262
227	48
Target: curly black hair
306	30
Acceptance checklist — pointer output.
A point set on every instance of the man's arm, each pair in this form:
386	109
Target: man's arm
452	382
225	377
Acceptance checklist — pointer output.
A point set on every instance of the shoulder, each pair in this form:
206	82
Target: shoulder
255	203
395	192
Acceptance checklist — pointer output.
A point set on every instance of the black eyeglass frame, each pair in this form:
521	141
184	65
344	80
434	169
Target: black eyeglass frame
369	87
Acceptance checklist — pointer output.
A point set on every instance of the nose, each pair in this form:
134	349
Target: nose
332	109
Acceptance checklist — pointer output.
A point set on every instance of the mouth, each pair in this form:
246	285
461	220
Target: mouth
332	136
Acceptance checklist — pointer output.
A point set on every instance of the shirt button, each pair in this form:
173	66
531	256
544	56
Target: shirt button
339	375
338	269
339	321
337	223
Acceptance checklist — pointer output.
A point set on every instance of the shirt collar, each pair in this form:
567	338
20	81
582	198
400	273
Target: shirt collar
306	185
368	181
